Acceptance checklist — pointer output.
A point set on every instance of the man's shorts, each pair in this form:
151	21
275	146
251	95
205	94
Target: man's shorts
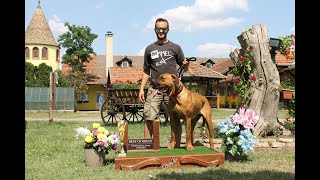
152	105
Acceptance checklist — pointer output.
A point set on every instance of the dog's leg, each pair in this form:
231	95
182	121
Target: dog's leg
189	134
207	117
176	130
193	125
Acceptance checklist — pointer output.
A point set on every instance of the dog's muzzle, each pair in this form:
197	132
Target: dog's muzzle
162	88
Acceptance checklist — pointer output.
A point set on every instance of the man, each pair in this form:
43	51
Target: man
160	57
101	99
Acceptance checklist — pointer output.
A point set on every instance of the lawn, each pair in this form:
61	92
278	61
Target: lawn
222	113
53	152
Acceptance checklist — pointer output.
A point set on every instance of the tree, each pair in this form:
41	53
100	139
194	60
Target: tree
259	78
37	76
78	42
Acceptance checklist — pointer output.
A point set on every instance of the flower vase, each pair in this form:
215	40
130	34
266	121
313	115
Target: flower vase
94	157
236	157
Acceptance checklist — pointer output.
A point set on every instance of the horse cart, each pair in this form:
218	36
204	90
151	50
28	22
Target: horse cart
124	104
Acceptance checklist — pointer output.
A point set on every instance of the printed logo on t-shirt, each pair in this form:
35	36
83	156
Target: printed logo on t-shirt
164	55
154	54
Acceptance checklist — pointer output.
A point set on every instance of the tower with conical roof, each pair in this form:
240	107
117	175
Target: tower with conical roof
40	45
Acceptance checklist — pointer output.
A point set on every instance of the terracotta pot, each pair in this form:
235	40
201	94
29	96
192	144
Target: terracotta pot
94	158
287	94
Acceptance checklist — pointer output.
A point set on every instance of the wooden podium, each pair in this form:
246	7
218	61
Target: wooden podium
151	146
142	145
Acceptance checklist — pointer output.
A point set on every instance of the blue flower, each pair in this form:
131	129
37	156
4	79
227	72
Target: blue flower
237	139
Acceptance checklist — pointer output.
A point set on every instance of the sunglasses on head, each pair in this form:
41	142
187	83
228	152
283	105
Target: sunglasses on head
160	28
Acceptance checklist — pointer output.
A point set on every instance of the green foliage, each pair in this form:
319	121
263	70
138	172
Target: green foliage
287	47
78	80
62	80
37	76
243	70
290	126
127	85
291	107
78	42
286	84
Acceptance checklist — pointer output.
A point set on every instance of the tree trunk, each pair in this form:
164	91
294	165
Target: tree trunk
263	93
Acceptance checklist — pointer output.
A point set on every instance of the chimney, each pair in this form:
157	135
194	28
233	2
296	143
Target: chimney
109	51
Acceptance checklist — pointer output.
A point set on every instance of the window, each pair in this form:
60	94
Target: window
125	64
27	53
35	53
57	55
83	98
209	65
44	53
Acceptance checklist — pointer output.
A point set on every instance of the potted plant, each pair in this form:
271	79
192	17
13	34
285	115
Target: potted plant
236	133
287	89
97	143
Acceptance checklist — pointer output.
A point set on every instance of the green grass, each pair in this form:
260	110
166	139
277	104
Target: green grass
222	113
53	152
177	151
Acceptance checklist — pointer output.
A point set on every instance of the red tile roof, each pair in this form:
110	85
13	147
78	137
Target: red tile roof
124	74
97	73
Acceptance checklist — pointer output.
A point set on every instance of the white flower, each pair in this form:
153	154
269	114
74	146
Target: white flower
82	132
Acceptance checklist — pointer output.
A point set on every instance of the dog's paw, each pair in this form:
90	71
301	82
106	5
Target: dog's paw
190	148
171	146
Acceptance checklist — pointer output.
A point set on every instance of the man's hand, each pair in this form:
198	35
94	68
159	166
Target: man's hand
141	95
186	64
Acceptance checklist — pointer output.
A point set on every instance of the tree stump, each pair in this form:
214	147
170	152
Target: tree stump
263	93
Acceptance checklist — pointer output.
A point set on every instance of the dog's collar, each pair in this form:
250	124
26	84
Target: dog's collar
178	91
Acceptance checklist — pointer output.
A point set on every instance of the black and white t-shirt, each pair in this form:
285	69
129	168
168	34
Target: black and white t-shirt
162	58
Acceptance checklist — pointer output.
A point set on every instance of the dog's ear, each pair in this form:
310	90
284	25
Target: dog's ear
176	80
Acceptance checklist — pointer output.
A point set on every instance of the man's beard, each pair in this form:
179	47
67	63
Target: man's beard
162	38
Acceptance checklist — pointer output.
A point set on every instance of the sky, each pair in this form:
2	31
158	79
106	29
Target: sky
203	28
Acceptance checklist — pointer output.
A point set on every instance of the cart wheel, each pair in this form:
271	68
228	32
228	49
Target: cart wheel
134	113
163	114
112	109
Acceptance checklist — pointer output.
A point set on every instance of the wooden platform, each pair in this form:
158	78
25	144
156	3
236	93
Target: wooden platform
169	161
147	154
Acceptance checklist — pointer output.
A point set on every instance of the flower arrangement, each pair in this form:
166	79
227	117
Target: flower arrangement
236	132
287	47
99	138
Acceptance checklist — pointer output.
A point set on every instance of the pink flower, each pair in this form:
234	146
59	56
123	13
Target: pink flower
250	114
247	123
237	119
242	111
101	142
236	80
253	78
287	50
242	58
95	132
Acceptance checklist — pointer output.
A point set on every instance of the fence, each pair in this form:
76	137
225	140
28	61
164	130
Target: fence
37	98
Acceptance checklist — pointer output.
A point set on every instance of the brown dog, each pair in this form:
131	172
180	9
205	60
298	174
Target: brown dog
186	105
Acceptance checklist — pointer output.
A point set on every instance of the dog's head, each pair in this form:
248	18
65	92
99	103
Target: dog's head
168	83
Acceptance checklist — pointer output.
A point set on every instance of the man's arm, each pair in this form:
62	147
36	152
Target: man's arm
144	80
